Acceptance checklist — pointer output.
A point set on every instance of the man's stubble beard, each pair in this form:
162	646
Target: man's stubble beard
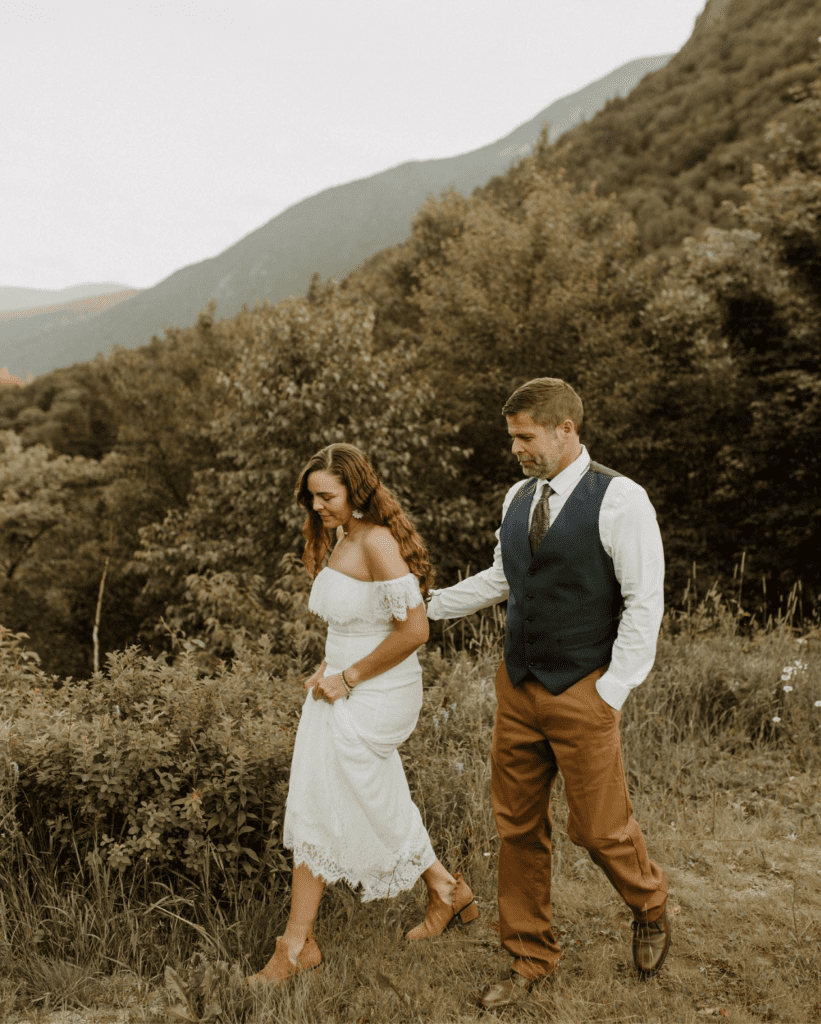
539	471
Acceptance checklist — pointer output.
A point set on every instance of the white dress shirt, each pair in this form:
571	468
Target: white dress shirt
630	535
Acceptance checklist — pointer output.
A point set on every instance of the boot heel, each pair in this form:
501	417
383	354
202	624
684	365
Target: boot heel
467	914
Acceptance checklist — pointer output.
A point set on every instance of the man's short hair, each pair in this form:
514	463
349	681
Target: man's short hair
548	400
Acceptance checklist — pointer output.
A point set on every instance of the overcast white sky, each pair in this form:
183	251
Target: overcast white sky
136	138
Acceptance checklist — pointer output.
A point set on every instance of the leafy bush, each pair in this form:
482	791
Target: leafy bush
153	768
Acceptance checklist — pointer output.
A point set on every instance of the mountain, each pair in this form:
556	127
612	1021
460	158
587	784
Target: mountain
330	233
27	330
37	299
682	147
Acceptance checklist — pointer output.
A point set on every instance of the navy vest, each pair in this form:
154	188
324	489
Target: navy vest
565	601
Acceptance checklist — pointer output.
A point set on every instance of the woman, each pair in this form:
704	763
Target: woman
349	812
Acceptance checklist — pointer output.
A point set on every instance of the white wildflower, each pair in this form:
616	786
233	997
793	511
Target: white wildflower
787	689
776	718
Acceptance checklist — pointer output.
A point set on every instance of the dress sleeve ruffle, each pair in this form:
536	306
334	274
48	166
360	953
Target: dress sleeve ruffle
394	597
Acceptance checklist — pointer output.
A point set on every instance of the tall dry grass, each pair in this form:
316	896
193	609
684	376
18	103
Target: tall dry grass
722	747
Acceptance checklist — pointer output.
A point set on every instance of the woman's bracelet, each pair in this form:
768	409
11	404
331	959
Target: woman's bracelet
346	684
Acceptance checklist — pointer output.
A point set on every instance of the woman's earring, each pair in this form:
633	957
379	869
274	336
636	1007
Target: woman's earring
357	514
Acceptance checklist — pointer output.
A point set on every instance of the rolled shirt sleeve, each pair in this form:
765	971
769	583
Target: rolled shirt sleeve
482	590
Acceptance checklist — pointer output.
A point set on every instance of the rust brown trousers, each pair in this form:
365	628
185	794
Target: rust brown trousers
536	735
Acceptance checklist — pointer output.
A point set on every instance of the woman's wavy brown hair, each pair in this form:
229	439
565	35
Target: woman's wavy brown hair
366	492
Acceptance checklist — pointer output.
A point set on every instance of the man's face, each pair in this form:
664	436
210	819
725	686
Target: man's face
541	451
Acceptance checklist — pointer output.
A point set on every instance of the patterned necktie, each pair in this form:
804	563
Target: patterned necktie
541	519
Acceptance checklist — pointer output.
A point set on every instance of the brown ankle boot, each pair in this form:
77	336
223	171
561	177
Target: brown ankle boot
441	915
280	967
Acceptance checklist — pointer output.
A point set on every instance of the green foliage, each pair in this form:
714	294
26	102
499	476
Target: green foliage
143	417
153	769
448	771
67	410
306	377
688	135
165	395
732	412
51	548
498	291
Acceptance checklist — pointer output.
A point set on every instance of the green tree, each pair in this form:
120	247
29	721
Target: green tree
307	376
732	416
697	125
52	550
541	288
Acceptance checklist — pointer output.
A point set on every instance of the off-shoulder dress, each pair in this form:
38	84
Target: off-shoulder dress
349	812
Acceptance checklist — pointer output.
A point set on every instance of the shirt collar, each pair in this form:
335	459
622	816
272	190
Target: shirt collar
569	476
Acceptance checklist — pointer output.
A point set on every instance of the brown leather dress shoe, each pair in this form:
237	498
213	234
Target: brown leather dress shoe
651	941
281	967
441	915
506	992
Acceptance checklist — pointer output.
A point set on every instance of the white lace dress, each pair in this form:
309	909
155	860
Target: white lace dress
349	812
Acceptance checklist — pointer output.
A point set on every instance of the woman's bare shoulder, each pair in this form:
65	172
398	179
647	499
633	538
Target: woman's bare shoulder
383	554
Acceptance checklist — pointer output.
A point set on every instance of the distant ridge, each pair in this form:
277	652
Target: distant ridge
42	298
39	325
330	233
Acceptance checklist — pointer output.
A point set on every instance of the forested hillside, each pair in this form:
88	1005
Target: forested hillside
676	285
685	142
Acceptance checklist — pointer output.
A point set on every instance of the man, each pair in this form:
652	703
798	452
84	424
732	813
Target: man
579	560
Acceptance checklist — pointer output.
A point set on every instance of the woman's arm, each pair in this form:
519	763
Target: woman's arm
410	634
385	562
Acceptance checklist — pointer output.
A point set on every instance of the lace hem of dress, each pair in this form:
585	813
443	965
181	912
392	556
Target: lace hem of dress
375	886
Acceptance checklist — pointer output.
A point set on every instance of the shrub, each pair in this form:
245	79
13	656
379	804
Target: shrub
153	768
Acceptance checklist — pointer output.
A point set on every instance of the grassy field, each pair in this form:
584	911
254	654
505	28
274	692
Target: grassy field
722	746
